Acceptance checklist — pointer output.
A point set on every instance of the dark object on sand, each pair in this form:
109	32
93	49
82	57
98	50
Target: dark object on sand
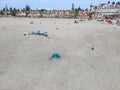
57	28
3	27
76	22
26	34
31	22
92	48
82	20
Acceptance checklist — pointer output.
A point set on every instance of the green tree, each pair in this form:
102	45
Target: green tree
11	11
86	9
1	12
3	9
108	2
79	8
27	9
118	3
76	12
90	14
14	12
95	7
113	3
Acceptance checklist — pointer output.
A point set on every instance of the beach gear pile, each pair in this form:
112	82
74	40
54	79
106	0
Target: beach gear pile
31	22
40	33
36	33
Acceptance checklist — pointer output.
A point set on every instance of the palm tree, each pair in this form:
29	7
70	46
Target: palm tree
11	10
90	14
27	9
86	9
76	12
113	3
14	12
79	8
118	3
1	12
108	2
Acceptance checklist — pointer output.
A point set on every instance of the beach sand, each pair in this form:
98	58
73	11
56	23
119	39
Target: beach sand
25	64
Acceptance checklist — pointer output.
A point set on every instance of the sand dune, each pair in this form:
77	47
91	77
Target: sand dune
25	64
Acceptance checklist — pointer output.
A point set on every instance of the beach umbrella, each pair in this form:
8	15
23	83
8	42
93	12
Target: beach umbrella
109	21
56	56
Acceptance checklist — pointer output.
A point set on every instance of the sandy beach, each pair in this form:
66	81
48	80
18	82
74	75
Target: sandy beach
25	64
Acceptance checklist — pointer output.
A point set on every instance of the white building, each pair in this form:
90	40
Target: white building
21	14
34	14
106	9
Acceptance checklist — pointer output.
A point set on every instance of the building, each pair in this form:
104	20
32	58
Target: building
34	14
106	9
21	14
82	14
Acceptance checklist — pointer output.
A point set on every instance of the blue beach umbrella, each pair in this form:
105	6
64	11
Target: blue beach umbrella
55	56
